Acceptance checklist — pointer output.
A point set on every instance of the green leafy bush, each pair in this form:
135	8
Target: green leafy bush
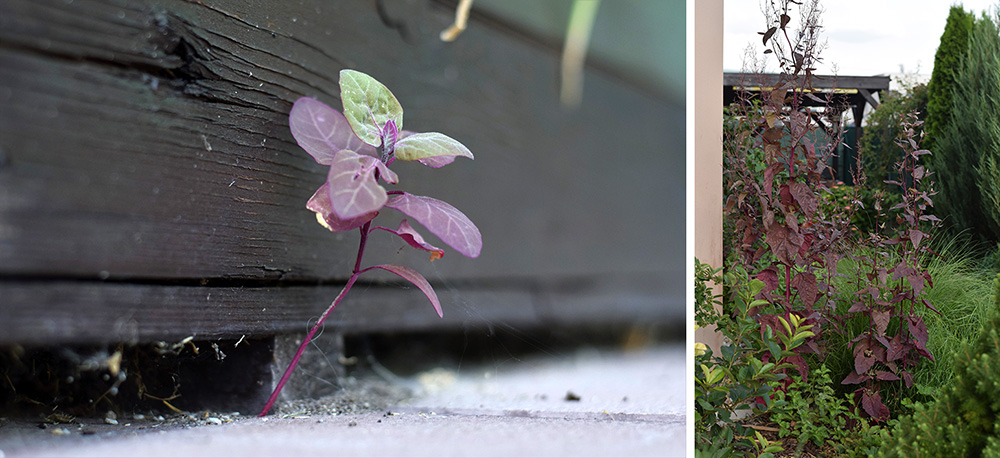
964	420
739	382
815	413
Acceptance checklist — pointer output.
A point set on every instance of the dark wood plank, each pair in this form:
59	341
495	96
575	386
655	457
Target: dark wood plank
150	140
93	312
147	142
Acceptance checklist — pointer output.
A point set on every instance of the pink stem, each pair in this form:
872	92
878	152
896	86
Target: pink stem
302	348
305	343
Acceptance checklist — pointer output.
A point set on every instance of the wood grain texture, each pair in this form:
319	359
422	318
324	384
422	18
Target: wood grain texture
148	141
67	312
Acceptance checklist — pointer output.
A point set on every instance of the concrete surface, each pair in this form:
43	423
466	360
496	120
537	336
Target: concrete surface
585	403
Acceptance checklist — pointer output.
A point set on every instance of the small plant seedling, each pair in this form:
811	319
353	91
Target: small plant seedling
359	146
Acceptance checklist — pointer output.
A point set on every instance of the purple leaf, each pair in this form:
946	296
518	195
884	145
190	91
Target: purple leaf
353	189
854	378
908	379
770	278
443	220
863	362
418	280
805	283
881	320
390	134
436	162
323	131
413	238
872	403
897	348
320	203
918	330
886	375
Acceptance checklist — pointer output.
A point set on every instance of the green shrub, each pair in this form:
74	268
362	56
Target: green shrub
815	413
964	420
947	61
740	381
967	149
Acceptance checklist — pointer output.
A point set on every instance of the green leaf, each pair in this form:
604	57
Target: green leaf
429	144
774	349
368	106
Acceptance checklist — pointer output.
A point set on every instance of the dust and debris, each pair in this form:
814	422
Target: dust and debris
436	380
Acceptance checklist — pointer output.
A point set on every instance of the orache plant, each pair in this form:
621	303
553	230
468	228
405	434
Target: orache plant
359	145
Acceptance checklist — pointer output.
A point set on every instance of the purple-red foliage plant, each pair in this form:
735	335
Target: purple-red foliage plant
893	285
359	145
780	236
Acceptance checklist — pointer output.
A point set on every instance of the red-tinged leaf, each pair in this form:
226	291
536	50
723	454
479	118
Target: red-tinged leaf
443	220
323	131
413	238
784	20
801	365
804	197
786	195
815	98
353	189
881	320
783	242
436	162
854	378
799	124
768	51
805	284
773	134
928	304
858	307
897	348
918	330
916	235
916	282
882	340
418	280
907	378
871	402
886	375
863	362
768	34
320	203
769	173
901	270
770	278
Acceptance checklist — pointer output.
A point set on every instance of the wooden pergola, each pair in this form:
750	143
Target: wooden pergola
849	92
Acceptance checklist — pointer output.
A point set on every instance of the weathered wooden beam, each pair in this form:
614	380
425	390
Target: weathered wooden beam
150	140
146	142
67	312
